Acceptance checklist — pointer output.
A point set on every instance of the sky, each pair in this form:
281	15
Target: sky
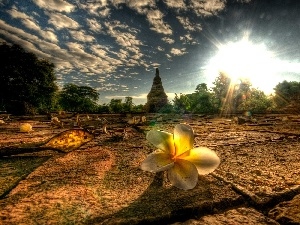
115	46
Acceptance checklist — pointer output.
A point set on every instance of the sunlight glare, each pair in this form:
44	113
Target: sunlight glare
244	60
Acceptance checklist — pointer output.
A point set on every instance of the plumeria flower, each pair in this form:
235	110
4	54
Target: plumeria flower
177	156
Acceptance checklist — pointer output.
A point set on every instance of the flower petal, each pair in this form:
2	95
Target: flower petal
203	158
162	140
157	161
183	138
183	174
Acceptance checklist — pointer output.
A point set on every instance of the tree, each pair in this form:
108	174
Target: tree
201	88
78	98
256	102
221	92
287	92
115	105
103	108
181	103
201	101
242	91
27	84
229	95
168	108
139	108
128	105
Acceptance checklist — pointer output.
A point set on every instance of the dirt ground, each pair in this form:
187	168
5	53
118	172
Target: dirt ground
102	183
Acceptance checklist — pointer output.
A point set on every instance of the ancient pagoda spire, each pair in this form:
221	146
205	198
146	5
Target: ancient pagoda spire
156	98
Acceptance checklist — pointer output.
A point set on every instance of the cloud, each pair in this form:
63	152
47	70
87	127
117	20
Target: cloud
122	54
49	35
188	25
169	57
65	60
155	65
178	4
16	35
64	67
127	39
81	36
138	56
206	7
155	18
30	23
116	3
94	25
24	43
141	6
144	64
97	8
84	70
75	47
60	21
168	40
161	49
14	13
148	8
188	39
178	52
132	62
81	58
105	62
55	5
99	50
25	19
104	12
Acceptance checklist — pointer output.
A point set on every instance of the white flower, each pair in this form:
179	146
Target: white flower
176	155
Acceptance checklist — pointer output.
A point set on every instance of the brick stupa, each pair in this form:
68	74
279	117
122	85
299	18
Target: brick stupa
157	98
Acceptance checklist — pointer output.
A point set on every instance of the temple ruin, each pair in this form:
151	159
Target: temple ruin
156	98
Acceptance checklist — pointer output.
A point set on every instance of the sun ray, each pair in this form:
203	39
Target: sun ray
226	107
254	62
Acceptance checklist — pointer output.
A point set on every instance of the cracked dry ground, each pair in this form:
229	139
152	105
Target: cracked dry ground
257	182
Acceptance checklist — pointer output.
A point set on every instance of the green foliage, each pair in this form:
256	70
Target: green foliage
220	89
229	97
128	105
102	108
256	102
168	108
202	100
181	103
240	93
116	106
78	98
138	108
287	92
27	84
201	88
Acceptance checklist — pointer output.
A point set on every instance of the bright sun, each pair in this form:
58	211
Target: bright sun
244	60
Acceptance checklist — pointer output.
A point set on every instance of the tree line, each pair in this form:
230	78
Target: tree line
28	86
227	97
